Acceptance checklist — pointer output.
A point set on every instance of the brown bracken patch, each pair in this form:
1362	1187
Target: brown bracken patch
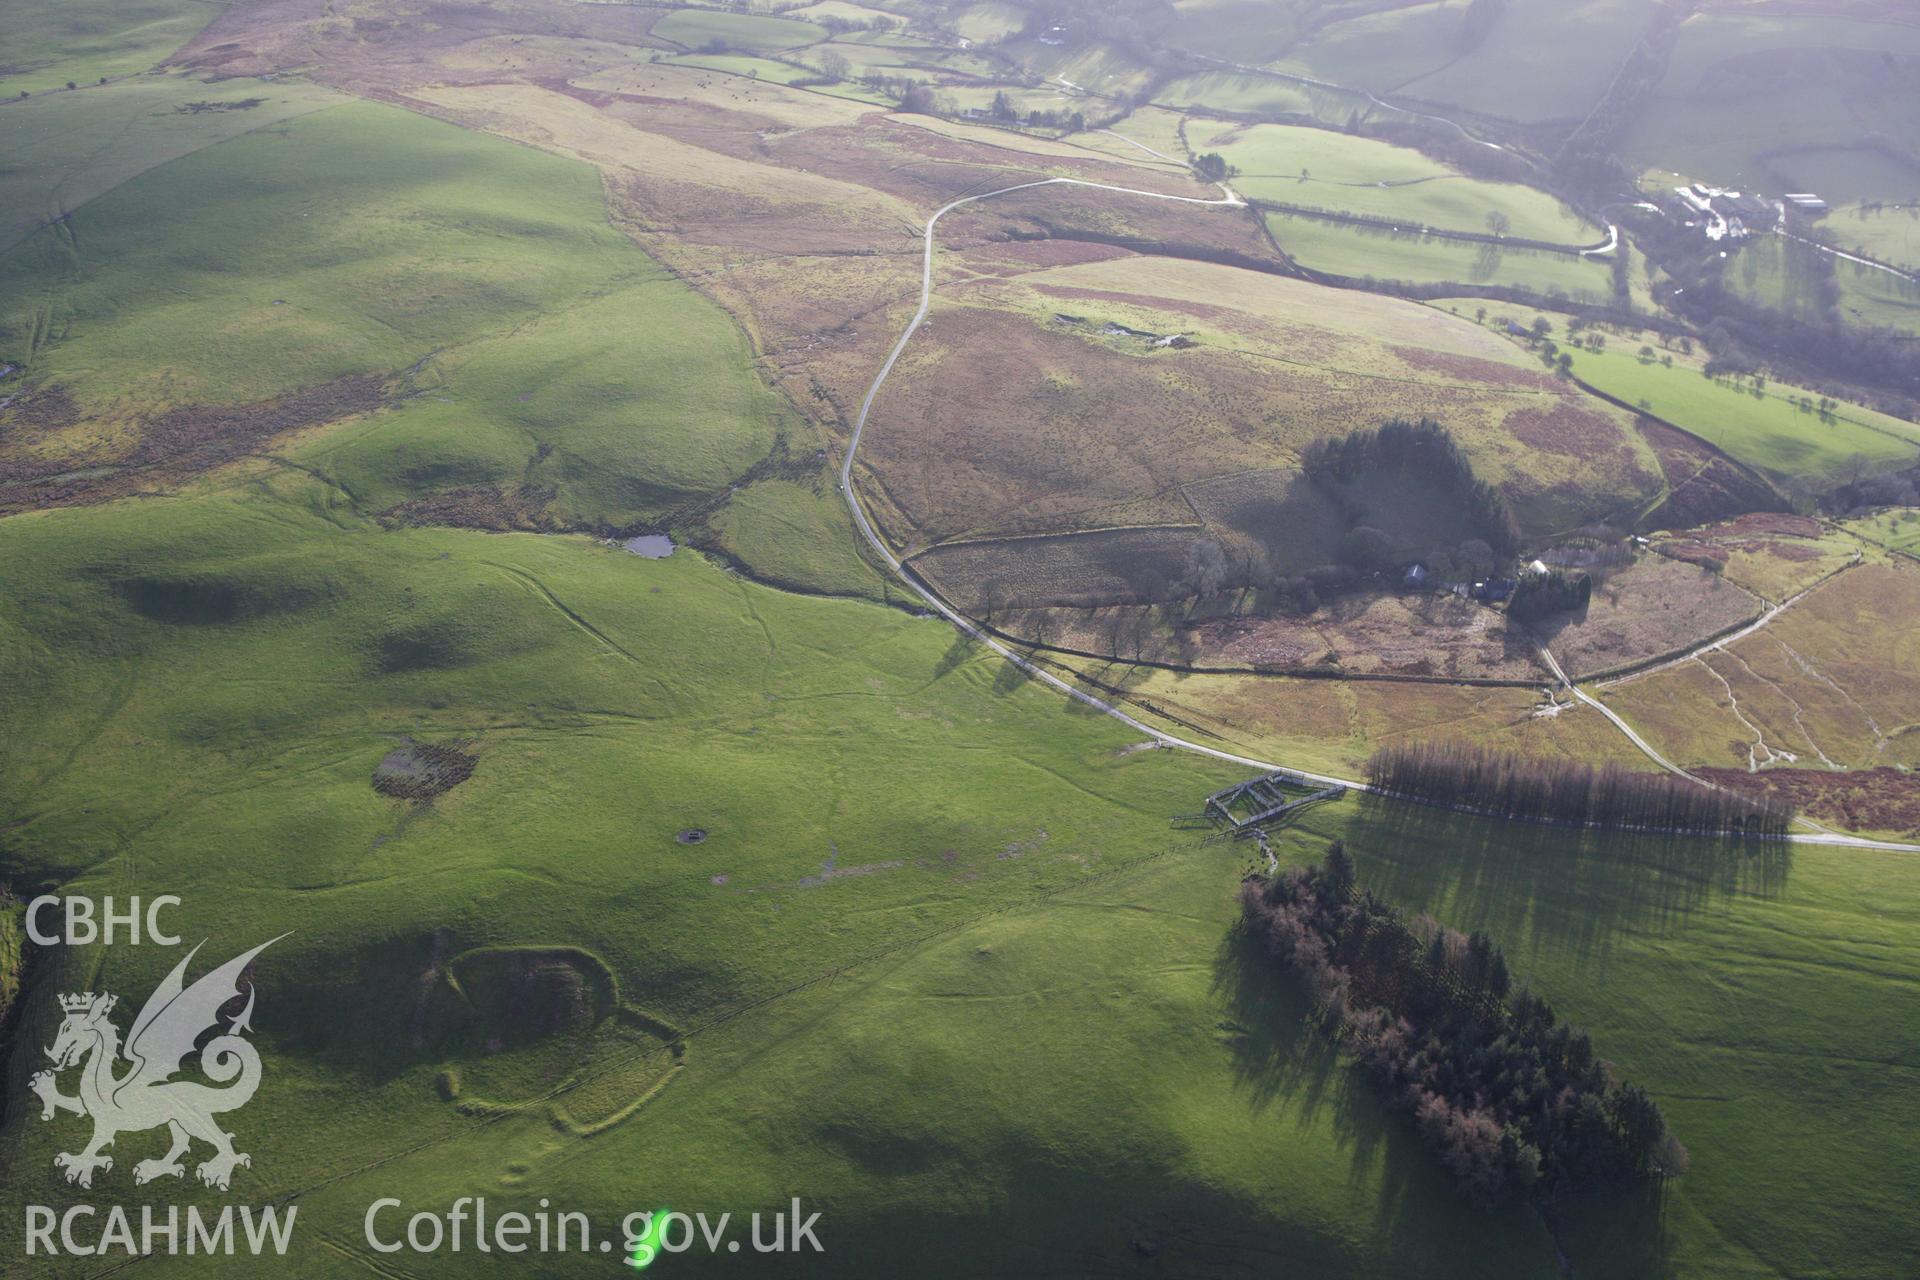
1795	551
1780	522
520	509
1883	799
171	446
422	770
1473	368
1204	310
1704	554
1565	429
1702	485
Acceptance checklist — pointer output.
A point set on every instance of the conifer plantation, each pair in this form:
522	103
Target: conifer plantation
1514	1103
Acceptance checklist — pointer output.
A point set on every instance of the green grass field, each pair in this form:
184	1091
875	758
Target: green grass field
743	65
1781	275
991	21
1101	70
64	149
1769	432
1357	252
1377	51
1151	127
532	328
1890	235
1871	298
1251	93
1324	170
699	28
222	669
48	44
1752	97
1247	31
1798	447
1539	60
1898	528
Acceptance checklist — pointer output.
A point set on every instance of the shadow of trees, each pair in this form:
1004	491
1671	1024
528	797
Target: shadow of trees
1572	887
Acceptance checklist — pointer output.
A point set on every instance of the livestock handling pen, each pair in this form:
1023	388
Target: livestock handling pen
1246	808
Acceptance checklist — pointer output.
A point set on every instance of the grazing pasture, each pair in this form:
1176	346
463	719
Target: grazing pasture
1255	94
1319	169
1889	233
51	42
718	31
1747	90
65	149
1368	253
473	288
990	21
1776	428
1535	60
1873	299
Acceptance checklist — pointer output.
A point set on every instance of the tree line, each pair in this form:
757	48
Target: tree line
1460	775
1514	1103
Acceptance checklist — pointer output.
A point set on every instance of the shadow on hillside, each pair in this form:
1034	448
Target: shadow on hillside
1569	888
958	652
1621	1231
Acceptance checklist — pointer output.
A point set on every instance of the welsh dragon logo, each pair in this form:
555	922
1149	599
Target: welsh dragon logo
145	1096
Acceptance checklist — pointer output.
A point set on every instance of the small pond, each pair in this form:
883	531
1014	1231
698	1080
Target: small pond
654	546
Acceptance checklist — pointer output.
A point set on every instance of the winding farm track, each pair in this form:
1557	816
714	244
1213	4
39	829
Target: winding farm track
968	628
960	621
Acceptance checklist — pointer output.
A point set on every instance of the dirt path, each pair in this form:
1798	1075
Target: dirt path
966	626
